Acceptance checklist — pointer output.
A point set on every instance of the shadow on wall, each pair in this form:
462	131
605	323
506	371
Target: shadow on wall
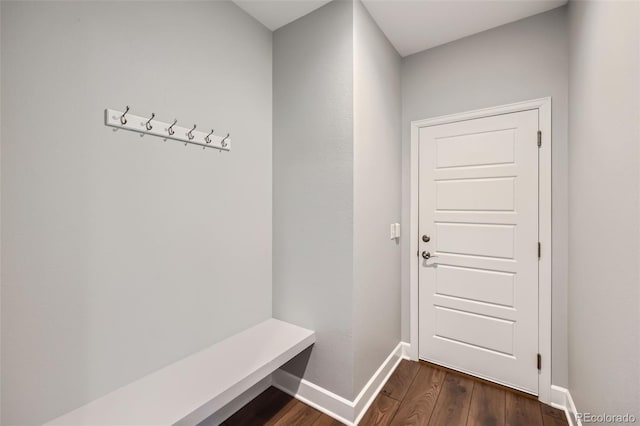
298	365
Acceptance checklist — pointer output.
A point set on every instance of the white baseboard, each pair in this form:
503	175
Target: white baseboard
406	351
311	394
228	410
341	409
375	384
561	399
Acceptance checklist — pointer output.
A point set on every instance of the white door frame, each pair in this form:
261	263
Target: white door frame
543	105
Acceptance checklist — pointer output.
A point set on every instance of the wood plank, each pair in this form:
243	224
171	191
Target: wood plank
487	405
272	407
436	396
417	406
297	414
399	382
553	416
275	405
267	405
381	411
325	420
522	411
452	407
477	379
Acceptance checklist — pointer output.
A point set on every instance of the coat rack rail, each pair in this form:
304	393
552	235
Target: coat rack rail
151	126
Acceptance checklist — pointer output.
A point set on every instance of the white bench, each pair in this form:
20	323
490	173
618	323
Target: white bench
192	389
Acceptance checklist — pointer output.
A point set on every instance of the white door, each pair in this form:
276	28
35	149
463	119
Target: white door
478	220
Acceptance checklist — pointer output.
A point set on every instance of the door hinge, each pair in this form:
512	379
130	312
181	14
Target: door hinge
539	362
539	138
539	250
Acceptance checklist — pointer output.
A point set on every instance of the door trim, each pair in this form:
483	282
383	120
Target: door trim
543	106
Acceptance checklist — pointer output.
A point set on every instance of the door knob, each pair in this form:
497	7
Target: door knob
427	255
426	238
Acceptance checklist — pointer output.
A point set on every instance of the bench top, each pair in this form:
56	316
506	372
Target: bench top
188	391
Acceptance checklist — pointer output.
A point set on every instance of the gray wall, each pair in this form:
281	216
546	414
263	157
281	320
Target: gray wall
313	187
122	254
377	174
520	61
1	96
604	233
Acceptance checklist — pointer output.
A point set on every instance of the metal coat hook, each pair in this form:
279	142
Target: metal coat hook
148	123
170	129
190	133
207	139
123	119
224	141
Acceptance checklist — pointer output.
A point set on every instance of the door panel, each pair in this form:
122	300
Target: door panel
477	239
476	194
480	285
476	149
478	203
484	332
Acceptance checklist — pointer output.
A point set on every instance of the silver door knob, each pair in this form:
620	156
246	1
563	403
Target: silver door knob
426	255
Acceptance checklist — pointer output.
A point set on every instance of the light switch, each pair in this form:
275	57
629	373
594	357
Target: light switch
394	231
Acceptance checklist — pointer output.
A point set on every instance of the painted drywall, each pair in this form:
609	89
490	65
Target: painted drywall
524	60
313	188
604	239
377	175
1	96
121	253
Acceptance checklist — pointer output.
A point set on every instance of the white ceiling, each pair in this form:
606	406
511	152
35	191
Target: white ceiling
412	25
277	13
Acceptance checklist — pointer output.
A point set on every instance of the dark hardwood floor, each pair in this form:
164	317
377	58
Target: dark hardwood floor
417	393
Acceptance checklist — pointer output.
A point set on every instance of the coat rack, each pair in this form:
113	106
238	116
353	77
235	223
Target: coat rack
151	126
